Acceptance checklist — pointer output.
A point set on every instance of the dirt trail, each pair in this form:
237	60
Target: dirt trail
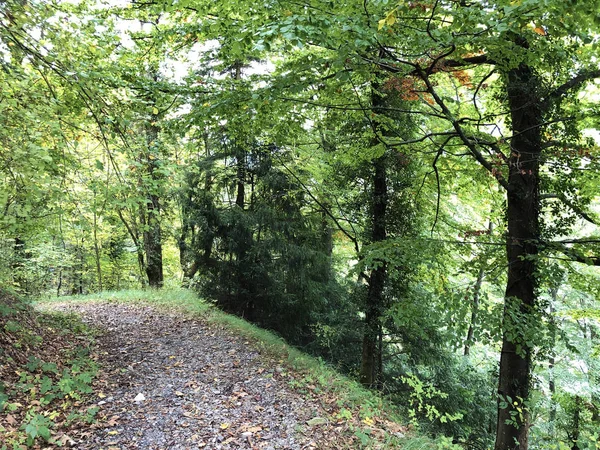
171	382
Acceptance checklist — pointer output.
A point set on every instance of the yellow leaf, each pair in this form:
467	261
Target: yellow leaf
389	20
112	433
155	110
101	395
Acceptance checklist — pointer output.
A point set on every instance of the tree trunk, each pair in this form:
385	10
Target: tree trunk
575	427
240	199
153	243
18	266
370	359
97	247
523	210
152	231
327	244
551	359
475	303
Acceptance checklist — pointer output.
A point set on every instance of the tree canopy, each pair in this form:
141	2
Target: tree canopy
406	189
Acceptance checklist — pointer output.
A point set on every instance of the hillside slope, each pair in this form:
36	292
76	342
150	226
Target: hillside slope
176	373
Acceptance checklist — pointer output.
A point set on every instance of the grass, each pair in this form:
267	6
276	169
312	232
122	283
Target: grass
362	409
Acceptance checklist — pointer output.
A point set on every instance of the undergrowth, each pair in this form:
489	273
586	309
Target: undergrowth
45	377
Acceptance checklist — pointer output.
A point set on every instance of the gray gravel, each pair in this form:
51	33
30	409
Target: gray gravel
197	386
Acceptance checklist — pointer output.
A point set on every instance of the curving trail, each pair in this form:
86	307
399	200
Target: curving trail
171	382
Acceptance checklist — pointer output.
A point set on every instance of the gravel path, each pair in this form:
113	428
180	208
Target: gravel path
171	382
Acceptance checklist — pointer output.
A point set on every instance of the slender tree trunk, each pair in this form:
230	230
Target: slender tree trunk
327	243
370	359
475	304
575	431
77	287
18	265
240	198
551	359
152	231
523	211
97	248
132	229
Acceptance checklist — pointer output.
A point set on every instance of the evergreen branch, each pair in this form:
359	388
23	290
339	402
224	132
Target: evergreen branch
326	210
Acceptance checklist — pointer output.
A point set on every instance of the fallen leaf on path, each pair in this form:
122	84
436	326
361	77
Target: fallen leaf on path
316	421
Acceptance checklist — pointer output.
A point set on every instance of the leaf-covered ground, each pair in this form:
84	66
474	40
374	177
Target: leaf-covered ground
45	375
171	381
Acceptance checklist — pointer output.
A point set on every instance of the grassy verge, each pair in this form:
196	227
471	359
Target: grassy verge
45	376
373	421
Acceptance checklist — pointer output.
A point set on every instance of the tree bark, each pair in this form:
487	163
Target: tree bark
153	242
475	303
370	359
97	247
20	255
523	217
152	230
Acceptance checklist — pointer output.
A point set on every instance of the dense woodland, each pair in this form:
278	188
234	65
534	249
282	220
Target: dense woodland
408	190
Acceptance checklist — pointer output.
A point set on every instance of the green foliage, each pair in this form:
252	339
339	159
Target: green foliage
37	426
38	387
252	131
263	260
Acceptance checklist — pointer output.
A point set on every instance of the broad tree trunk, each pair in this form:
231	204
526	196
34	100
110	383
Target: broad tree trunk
153	243
523	217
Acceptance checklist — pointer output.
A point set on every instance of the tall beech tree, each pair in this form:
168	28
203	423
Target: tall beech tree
520	63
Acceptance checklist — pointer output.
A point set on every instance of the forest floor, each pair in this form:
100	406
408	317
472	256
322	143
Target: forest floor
170	380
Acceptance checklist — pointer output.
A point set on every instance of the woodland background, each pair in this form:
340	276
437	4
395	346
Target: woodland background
408	190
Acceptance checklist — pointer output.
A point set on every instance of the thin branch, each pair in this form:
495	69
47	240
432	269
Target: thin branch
573	83
322	206
470	142
571	205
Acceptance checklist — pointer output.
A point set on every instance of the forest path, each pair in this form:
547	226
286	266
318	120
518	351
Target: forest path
169	381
